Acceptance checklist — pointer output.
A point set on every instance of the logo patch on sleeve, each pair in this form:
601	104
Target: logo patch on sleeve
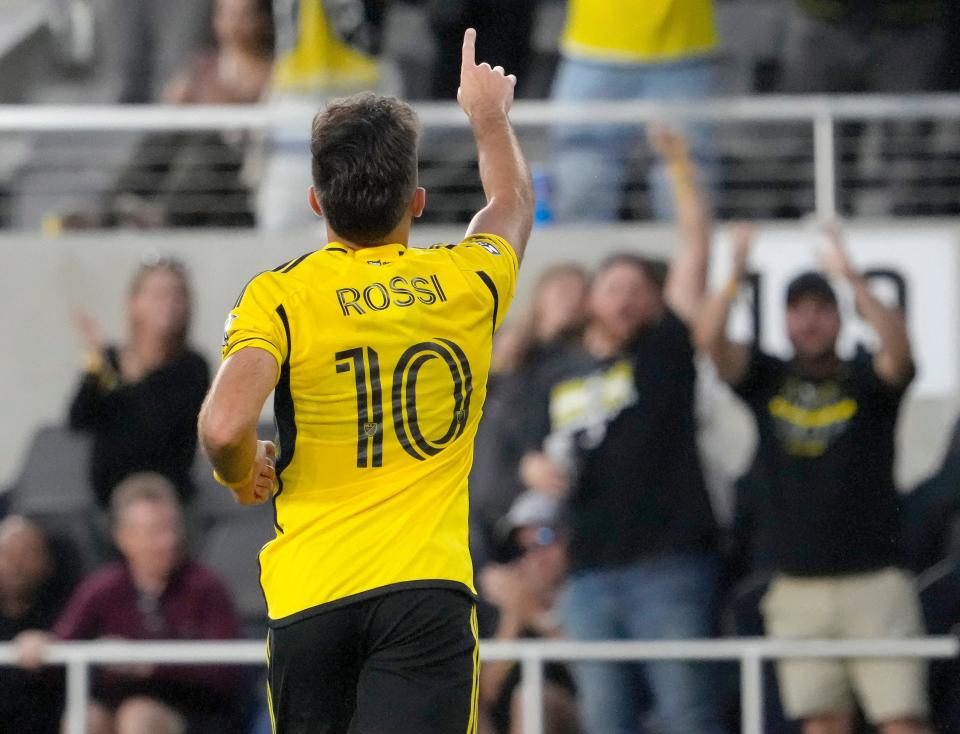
226	328
489	247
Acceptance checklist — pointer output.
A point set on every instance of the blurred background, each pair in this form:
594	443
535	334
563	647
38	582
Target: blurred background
154	156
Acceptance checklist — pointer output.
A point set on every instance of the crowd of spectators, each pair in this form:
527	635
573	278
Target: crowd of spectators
280	51
604	446
590	518
590	514
154	592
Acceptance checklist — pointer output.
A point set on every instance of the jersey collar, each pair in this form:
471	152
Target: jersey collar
380	252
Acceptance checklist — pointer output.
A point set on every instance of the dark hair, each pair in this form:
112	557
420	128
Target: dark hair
265	42
654	270
268	34
364	152
811	284
152	262
528	327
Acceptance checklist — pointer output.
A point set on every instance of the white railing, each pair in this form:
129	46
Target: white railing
821	112
447	114
751	653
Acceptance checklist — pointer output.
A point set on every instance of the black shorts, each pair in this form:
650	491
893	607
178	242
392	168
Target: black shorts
407	661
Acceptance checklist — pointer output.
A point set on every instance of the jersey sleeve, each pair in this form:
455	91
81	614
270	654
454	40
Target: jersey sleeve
256	320
493	263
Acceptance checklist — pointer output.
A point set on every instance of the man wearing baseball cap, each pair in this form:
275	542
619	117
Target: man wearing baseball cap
827	512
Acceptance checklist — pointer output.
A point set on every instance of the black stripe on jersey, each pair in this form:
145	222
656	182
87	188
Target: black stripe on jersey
335	249
413	421
404	397
363	414
296	262
436	282
488	281
263	592
285	416
243	291
284	268
254	339
467	380
369	430
377	400
400	421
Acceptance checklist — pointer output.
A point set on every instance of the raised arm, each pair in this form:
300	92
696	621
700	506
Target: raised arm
894	362
228	425
710	327
486	95
687	279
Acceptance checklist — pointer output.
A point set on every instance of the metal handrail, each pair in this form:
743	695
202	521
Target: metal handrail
532	654
448	114
822	112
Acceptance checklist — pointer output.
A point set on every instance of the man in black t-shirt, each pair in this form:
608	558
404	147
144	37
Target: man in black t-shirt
827	511
621	451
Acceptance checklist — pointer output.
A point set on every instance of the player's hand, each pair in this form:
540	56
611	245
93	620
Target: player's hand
512	591
89	330
834	257
484	91
744	236
669	144
260	487
540	473
30	649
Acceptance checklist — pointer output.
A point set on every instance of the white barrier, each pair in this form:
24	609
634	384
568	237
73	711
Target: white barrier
822	112
448	114
77	657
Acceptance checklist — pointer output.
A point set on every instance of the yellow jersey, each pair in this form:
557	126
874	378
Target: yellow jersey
639	31
382	362
311	57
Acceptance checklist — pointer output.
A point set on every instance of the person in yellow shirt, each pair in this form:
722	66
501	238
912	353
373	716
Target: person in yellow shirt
323	50
622	50
378	356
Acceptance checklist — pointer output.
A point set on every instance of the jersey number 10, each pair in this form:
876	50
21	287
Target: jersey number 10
364	362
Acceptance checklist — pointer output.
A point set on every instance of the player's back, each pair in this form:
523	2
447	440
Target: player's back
384	354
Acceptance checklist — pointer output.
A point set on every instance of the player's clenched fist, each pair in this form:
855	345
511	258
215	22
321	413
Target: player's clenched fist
483	90
264	471
258	487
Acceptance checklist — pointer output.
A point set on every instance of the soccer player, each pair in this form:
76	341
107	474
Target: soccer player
378	355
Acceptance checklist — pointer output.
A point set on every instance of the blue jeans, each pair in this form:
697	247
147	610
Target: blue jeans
590	162
668	598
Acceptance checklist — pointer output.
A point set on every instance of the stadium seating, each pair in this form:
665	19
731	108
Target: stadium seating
230	549
55	474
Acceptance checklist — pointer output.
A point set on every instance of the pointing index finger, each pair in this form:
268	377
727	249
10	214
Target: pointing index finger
469	48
